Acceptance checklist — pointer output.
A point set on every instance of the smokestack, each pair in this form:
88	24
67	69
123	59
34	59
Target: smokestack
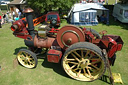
28	14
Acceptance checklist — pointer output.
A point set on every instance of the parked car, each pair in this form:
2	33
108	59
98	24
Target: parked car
120	12
53	19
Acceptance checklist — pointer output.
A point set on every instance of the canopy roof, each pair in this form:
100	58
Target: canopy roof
17	2
82	7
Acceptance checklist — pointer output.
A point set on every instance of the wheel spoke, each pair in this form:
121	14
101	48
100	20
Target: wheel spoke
95	67
96	61
75	69
71	59
79	73
22	57
84	71
82	55
91	56
88	72
75	57
77	54
73	66
78	65
87	53
31	61
27	55
72	62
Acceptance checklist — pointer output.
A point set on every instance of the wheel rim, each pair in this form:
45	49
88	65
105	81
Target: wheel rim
83	64
26	59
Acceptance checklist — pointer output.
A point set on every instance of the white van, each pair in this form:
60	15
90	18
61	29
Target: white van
120	12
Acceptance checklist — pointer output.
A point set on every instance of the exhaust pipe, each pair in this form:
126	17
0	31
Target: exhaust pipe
28	14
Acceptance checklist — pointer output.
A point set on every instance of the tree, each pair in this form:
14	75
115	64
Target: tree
48	5
123	1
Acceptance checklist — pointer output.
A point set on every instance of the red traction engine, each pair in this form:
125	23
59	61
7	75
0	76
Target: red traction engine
80	50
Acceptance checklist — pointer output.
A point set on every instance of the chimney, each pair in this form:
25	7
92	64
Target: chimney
28	14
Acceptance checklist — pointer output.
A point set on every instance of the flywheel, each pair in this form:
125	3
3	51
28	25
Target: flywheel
69	35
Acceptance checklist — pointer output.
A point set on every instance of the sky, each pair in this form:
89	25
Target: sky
4	0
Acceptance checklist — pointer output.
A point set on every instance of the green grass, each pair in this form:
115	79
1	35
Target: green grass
3	11
111	1
50	73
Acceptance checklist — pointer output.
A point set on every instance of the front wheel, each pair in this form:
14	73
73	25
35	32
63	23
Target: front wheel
27	58
84	61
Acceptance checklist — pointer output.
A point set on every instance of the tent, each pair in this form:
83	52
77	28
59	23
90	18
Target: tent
86	14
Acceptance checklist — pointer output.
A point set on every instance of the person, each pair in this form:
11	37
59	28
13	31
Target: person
13	13
19	14
17	10
0	21
10	15
4	17
16	18
102	1
95	1
103	18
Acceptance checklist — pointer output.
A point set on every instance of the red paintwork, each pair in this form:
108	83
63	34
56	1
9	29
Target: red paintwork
22	34
37	20
110	42
53	13
54	55
53	30
43	43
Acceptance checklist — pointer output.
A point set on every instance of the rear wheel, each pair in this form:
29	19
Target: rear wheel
84	61
27	58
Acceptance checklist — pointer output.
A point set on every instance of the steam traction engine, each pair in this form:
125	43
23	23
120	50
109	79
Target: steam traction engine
80	50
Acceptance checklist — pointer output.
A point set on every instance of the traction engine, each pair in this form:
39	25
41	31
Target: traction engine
80	50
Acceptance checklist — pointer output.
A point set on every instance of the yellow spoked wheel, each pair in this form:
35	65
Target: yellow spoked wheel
27	58
84	61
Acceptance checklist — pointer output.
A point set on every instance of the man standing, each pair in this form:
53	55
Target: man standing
13	13
19	15
0	21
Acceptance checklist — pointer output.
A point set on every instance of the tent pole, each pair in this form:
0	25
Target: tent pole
115	1
107	2
107	17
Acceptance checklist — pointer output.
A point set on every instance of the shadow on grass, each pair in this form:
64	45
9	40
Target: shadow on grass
112	22
17	50
105	79
55	66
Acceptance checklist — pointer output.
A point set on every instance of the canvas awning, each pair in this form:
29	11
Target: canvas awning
87	6
79	13
17	2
